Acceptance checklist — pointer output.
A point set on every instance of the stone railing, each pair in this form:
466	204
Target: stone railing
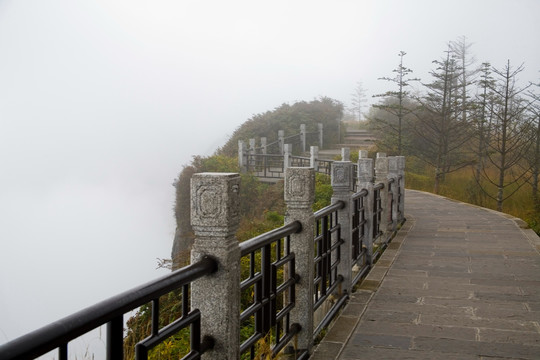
290	292
271	155
282	287
273	166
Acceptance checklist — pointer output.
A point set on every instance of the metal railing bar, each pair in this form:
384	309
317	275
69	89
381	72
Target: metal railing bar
284	260
360	274
252	309
331	314
171	329
252	340
284	312
329	291
338	205
359	194
281	288
292	136
250	281
258	242
62	331
115	338
293	330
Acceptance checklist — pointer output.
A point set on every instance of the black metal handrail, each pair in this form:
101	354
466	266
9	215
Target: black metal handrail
325	166
328	241
110	312
270	288
359	248
292	136
258	242
266	165
300	161
377	214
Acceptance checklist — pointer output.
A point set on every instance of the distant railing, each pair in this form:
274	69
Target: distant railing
269	160
282	287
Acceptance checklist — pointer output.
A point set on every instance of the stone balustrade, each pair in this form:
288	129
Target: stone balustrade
215	219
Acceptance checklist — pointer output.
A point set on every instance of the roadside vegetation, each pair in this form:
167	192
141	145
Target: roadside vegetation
471	132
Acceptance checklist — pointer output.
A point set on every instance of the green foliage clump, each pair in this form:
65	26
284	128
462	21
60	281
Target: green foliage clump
288	118
323	191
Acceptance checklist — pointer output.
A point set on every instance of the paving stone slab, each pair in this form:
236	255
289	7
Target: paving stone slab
414	330
478	348
382	341
462	284
508	336
478	322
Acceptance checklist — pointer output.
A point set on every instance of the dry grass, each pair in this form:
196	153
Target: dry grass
460	185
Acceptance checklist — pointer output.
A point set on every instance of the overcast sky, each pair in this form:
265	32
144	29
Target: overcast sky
102	102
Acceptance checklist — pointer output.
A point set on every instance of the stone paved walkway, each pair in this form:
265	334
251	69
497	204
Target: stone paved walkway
457	282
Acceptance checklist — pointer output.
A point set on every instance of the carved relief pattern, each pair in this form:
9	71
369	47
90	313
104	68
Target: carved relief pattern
299	185
209	204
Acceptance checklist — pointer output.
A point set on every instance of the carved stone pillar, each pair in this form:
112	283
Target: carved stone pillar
263	145
345	154
381	176
299	197
401	173
362	154
320	127
314	158
242	161
365	181
281	140
214	219
303	137
287	153
342	184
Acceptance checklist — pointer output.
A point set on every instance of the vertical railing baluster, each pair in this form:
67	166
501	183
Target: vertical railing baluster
195	336
185	300
155	316
324	251
265	268
63	352
115	338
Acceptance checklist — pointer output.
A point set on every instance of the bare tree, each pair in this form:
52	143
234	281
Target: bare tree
441	132
511	136
534	156
483	117
461	51
395	101
358	100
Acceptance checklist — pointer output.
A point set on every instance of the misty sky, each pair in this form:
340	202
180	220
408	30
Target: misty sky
102	102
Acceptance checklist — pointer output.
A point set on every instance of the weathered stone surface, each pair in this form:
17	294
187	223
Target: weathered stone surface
463	285
214	216
327	350
345	325
299	195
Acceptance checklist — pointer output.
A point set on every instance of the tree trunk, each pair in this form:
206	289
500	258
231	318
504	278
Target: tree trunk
536	167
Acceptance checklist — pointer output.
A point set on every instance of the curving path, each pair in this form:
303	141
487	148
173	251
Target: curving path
458	282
